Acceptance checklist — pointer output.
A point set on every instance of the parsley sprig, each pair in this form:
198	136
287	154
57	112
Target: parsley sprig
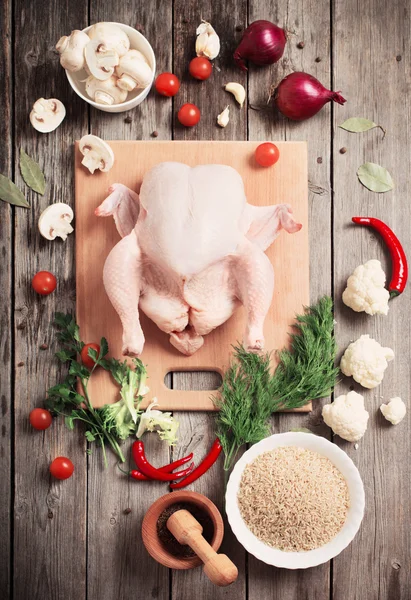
71	397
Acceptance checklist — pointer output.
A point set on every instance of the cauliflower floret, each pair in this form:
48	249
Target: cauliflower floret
394	411
365	291
366	361
347	416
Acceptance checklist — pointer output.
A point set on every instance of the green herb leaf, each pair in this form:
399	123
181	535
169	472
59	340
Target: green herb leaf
31	172
358	125
89	436
69	421
10	193
375	178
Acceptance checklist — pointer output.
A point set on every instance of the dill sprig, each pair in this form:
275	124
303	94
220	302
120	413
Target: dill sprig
250	393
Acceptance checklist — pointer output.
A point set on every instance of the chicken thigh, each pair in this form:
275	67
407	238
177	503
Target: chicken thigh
192	251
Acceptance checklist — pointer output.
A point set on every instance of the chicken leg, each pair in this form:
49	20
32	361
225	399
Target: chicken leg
122	278
254	275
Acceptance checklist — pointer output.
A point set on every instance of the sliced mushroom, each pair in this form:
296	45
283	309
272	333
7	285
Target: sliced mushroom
97	153
105	92
110	37
55	221
100	63
133	71
47	114
71	50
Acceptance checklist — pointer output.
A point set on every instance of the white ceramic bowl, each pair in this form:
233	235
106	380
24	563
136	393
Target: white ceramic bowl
311	558
134	98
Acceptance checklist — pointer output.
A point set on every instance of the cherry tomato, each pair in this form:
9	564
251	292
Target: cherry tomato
61	468
40	418
167	84
267	154
200	68
44	283
85	358
189	115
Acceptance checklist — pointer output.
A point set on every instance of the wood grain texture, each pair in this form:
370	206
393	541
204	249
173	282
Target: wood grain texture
118	564
96	236
197	430
49	516
6	328
376	565
310	22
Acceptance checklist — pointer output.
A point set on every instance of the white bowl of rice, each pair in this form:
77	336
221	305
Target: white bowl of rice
295	500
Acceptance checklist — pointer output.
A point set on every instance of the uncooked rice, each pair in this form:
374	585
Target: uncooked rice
293	499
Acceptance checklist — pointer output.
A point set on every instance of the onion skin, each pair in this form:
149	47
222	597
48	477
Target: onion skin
263	43
300	96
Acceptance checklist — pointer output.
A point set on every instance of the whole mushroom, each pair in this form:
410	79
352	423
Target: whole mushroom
47	114
105	92
133	71
71	50
110	37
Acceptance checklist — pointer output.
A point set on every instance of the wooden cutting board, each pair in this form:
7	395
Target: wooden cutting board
285	182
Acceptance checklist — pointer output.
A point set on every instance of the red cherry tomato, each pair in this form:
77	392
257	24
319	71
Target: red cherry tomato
85	358
44	283
267	154
40	418
200	68
167	84
61	468
189	115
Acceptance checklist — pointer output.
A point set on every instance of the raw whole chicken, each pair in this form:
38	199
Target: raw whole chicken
192	251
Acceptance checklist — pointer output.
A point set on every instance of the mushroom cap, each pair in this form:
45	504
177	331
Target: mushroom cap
111	36
71	50
105	92
100	64
55	221
97	153
47	114
134	65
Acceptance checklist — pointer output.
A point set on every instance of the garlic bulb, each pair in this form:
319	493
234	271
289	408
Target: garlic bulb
207	42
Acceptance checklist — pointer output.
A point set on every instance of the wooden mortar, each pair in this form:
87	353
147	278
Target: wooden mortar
149	528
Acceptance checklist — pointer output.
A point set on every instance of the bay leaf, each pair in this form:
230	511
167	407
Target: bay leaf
10	193
31	172
357	125
375	178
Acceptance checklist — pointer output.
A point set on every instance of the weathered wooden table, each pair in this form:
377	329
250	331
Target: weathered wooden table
74	540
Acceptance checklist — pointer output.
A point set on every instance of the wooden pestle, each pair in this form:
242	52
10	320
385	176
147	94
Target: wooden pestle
187	530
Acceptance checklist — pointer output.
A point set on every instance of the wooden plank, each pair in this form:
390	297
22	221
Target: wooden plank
288	255
196	430
376	565
6	328
49	519
118	564
310	22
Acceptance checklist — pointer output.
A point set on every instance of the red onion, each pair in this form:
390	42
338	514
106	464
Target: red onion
300	96
263	43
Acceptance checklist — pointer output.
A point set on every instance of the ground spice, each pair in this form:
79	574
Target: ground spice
169	541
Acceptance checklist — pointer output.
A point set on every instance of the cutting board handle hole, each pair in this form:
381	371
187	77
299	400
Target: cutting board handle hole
193	380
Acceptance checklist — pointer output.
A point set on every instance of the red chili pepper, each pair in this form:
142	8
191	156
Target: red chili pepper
147	469
399	260
208	462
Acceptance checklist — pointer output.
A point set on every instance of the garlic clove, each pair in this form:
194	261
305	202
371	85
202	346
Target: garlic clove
47	114
224	117
237	90
55	221
207	42
97	153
